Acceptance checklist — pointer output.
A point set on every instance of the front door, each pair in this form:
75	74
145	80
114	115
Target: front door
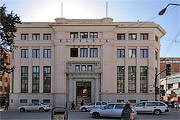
83	92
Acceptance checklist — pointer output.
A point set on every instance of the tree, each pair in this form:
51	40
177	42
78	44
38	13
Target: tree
7	34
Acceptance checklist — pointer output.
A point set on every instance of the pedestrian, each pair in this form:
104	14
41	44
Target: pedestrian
6	106
177	105
82	103
73	106
126	112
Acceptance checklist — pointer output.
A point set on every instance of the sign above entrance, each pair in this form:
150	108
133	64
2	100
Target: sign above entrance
83	83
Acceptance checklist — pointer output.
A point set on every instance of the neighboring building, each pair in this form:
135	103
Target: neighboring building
171	85
85	59
4	84
171	64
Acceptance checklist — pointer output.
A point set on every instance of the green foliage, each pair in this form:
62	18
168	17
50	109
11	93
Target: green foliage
7	31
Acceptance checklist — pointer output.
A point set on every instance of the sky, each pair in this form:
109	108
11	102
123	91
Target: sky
118	10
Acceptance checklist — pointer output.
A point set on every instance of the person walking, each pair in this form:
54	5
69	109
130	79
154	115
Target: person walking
177	105
73	106
82	103
6	106
126	112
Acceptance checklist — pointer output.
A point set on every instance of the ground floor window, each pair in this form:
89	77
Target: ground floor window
120	79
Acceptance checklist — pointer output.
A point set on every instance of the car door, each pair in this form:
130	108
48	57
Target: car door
98	104
107	110
91	106
117	111
140	108
150	106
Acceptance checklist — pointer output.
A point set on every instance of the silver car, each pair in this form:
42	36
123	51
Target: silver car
111	110
35	106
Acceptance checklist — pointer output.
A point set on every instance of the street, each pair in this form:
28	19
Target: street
76	115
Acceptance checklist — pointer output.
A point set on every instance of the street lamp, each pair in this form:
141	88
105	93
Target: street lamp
163	10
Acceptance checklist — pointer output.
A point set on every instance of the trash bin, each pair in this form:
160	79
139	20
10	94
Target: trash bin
59	113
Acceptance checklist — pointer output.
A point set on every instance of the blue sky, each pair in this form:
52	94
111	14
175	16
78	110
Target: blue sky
119	10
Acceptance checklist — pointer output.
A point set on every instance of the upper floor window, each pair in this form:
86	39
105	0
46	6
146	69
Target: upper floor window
143	53
74	52
74	35
35	53
120	36
35	36
24	53
83	67
156	54
47	53
83	35
77	68
132	53
156	38
144	36
89	68
24	37
120	53
93	35
47	37
93	52
133	36
84	52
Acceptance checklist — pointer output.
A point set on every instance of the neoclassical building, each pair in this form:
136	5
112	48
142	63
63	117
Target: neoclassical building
84	59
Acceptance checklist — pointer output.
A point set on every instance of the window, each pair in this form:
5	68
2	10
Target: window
98	103
133	36
46	100
83	52
132	79
120	53
24	79
143	79
47	79
120	79
35	79
143	53
89	67
93	35
156	38
35	53
47	37
119	101
140	105
93	52
143	100
170	86
35	101
156	54
104	103
178	84
74	52
119	106
132	101
77	68
132	53
83	68
74	35
24	37
23	100
35	36
83	35
24	53
47	53
110	106
120	36
144	36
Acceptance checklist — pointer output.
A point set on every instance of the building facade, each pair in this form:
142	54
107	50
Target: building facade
4	83
171	64
171	85
85	59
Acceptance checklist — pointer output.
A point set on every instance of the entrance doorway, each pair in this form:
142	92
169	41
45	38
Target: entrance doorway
83	92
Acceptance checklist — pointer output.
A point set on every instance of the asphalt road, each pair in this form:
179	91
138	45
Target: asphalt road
76	115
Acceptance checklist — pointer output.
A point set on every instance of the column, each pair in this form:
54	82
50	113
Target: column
96	89
70	90
29	70
137	69
126	70
41	70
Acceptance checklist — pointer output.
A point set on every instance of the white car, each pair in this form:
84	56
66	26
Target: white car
111	110
156	107
93	105
35	106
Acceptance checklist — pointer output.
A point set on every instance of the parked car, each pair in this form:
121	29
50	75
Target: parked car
111	110
156	107
35	106
93	105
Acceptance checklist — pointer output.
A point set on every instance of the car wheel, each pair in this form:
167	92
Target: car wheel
22	110
157	112
84	109
96	115
41	109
